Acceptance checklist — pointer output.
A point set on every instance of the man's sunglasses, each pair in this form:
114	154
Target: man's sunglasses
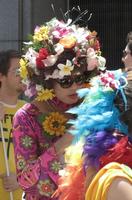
15	71
67	81
125	53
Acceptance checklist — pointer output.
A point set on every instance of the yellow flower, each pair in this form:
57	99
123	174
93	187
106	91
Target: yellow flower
45	95
41	34
54	124
23	68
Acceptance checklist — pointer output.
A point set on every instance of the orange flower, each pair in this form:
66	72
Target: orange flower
68	42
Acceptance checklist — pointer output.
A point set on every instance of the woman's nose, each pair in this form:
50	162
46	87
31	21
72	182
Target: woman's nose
75	86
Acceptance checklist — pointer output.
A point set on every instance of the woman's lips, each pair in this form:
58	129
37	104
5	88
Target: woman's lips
73	96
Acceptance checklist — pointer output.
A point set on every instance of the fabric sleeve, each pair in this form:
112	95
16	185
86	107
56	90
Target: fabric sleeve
102	181
34	170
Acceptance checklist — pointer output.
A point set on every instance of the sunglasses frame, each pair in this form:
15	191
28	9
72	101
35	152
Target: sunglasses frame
72	79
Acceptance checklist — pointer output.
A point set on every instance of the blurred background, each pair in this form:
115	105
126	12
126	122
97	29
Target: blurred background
112	19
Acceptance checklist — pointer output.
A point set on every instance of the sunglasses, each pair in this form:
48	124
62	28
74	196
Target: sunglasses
125	53
15	71
67	81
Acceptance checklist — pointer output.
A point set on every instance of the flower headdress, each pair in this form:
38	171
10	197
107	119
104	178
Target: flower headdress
42	59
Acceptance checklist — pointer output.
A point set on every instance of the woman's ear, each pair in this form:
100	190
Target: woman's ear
1	77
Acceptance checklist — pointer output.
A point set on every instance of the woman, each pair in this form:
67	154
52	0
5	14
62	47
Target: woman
59	59
99	166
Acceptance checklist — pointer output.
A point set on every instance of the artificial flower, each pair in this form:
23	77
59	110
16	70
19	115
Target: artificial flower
50	60
59	48
108	80
41	33
30	56
54	75
54	124
68	41
30	90
91	59
43	53
66	69
44	95
39	63
101	62
60	32
80	34
23	68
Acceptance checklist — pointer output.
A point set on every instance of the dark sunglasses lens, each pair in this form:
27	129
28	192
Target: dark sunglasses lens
80	79
65	83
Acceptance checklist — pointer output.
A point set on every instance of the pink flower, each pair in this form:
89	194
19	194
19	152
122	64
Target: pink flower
60	32
91	59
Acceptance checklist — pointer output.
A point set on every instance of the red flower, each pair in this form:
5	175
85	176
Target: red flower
43	53
39	63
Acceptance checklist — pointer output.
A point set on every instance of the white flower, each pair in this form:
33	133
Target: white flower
66	69
31	53
80	33
50	60
54	75
31	56
28	43
101	62
59	48
39	87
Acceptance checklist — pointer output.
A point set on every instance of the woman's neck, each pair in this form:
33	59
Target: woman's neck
59	105
54	105
5	99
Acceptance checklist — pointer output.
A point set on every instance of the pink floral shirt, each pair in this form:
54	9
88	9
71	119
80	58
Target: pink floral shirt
36	160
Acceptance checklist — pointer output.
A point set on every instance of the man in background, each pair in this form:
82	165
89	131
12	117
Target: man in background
10	89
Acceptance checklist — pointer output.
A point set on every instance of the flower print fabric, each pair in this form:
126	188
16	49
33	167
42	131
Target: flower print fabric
36	161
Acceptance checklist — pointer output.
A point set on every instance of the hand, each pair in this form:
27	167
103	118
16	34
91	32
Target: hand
9	182
63	143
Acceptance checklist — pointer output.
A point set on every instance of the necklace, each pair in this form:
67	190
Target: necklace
59	105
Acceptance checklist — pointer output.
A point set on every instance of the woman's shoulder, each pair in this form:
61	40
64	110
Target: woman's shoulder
121	188
27	109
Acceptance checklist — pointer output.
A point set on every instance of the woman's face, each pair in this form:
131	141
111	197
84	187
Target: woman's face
127	59
65	89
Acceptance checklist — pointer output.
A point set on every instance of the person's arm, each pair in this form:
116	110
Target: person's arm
33	163
63	143
120	189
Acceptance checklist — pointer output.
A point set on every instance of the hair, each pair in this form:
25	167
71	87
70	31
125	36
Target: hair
129	36
5	59
126	116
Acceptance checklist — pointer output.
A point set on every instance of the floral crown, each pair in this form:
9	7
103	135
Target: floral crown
42	62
